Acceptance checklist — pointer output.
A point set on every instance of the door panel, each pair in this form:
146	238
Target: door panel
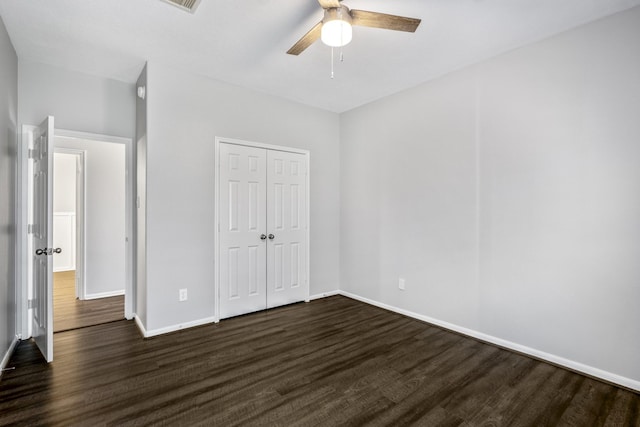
242	197
286	222
42	311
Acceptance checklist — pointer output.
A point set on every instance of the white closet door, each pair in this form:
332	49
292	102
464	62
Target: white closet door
243	230
286	224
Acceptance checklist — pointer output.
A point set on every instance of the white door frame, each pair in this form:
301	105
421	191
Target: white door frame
23	210
81	185
216	234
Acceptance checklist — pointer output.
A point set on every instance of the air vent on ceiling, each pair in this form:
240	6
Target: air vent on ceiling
188	5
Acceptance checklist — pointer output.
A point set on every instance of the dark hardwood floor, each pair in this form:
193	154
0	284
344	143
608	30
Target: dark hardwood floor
72	313
330	362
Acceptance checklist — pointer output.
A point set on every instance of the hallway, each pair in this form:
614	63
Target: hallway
72	313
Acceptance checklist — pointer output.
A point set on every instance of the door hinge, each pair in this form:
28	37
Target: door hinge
31	303
29	228
31	153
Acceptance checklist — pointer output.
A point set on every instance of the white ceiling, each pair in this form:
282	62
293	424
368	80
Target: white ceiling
244	42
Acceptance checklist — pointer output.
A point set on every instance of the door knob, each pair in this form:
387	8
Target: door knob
263	237
48	251
271	237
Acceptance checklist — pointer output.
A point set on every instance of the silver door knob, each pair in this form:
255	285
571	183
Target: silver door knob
271	237
48	251
263	237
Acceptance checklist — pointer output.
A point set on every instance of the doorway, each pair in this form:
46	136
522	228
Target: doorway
86	212
262	238
35	212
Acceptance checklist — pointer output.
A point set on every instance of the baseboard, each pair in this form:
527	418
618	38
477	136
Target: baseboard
8	354
552	358
324	295
160	331
104	295
154	332
140	325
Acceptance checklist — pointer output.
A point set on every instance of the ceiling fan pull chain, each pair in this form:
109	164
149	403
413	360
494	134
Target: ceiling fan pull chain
332	62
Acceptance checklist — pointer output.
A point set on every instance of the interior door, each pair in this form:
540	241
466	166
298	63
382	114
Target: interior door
243	231
42	306
287	280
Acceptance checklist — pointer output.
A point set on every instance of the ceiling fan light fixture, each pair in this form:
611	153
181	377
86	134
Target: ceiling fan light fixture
336	27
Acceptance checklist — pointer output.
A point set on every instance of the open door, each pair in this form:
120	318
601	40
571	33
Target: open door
42	305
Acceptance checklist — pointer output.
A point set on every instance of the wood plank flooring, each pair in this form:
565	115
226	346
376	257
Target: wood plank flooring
72	313
333	361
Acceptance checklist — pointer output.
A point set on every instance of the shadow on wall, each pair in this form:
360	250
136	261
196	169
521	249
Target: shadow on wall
8	221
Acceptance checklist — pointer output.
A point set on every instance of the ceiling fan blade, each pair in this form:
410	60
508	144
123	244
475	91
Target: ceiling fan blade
306	40
327	4
382	20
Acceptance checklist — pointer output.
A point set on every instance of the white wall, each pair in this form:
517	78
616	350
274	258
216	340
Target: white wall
508	196
104	214
64	237
184	117
64	211
8	125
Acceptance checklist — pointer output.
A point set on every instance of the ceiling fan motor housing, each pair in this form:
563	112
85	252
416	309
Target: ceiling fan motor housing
336	26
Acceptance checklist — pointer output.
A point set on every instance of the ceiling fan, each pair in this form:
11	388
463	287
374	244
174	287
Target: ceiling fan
335	27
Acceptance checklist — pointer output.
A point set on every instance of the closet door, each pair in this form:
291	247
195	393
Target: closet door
287	227
243	230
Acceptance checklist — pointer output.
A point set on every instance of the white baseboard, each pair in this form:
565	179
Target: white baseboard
143	330
8	354
104	295
153	332
552	358
324	295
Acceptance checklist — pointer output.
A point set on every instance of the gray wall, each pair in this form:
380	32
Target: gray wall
79	102
184	117
508	196
141	209
64	183
104	214
8	125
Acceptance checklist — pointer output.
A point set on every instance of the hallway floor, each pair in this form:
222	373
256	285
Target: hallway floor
72	313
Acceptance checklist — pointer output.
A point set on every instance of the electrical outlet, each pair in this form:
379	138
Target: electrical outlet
183	295
401	284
